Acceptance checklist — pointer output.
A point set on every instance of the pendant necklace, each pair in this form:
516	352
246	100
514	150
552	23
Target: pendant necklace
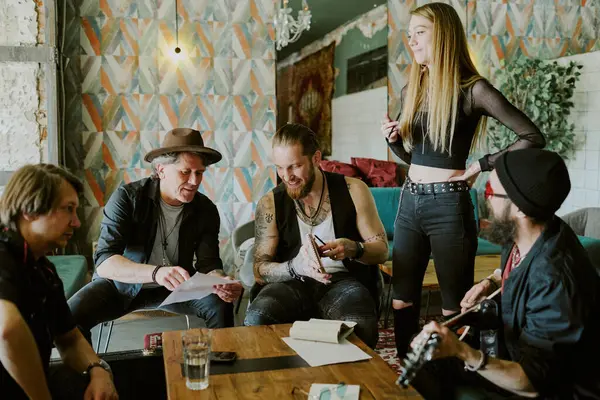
312	218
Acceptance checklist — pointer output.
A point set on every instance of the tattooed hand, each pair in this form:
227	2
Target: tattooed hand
306	265
339	249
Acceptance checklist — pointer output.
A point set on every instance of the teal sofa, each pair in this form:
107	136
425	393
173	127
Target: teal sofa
386	201
72	271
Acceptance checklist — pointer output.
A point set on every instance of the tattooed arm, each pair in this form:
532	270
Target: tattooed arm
368	222
265	244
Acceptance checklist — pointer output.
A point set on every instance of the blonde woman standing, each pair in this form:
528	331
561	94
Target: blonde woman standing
443	113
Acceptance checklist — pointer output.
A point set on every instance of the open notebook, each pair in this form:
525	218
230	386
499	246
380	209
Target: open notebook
322	330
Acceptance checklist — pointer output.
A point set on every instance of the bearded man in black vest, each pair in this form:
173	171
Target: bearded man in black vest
338	210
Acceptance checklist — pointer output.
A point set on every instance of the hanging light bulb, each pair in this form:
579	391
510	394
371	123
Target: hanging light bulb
177	50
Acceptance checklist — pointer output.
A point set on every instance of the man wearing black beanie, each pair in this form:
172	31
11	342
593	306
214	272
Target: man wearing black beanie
550	296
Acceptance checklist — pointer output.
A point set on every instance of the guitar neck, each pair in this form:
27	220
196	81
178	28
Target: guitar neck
470	310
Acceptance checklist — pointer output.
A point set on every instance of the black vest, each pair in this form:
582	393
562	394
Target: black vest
344	226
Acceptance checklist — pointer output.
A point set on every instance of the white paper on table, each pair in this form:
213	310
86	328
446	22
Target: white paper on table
197	287
320	353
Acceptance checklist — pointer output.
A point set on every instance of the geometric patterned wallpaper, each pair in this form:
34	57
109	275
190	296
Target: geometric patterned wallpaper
124	91
498	31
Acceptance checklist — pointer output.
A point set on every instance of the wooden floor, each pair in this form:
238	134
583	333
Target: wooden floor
484	266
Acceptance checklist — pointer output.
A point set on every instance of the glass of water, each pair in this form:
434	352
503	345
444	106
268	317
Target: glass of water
196	363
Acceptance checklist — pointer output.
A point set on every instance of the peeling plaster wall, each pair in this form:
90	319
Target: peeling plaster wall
19	103
23	123
18	22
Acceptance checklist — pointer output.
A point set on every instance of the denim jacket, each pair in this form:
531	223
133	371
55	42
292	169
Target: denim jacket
551	314
130	224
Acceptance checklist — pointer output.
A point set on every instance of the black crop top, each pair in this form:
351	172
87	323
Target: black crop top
479	99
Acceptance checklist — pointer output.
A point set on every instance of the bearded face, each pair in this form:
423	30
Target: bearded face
296	170
298	188
502	229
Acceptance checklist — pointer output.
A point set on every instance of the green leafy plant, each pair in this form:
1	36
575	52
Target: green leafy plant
543	91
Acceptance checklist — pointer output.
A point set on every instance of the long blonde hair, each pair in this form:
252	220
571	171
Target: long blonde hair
453	71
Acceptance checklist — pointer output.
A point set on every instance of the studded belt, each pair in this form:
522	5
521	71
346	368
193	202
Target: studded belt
436	187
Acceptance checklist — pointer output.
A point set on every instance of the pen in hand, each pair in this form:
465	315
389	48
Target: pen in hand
319	239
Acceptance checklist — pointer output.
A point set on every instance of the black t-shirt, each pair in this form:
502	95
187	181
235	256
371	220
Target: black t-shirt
37	291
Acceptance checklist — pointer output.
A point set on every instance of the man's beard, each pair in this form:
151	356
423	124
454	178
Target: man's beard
303	190
501	230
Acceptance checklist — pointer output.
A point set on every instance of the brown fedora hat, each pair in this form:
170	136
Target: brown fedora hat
184	139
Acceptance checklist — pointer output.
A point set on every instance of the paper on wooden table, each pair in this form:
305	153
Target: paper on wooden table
197	287
320	353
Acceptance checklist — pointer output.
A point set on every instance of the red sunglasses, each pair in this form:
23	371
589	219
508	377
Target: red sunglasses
489	192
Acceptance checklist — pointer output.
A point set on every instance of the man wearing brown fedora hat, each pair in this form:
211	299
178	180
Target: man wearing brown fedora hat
151	230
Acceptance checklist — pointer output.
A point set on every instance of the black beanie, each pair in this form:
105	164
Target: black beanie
536	180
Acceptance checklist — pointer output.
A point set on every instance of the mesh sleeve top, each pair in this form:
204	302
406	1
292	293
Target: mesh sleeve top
480	99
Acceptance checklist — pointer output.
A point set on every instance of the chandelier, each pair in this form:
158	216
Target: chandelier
287	29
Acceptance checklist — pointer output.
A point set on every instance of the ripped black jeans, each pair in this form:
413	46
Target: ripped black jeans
442	224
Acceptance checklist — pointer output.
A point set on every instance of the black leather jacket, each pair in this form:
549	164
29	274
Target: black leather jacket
130	224
551	315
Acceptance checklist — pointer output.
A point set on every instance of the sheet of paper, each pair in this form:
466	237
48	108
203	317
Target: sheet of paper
319	353
334	392
197	287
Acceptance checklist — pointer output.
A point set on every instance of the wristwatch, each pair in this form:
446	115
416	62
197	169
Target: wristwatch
360	250
101	364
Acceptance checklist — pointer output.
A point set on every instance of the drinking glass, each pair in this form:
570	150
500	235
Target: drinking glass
196	362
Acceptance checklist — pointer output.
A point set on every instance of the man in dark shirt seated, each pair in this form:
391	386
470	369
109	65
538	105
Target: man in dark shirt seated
550	308
38	214
150	233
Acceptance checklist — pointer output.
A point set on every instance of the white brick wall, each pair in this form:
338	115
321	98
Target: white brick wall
584	167
356	119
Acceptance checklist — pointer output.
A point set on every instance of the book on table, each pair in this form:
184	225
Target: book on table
322	330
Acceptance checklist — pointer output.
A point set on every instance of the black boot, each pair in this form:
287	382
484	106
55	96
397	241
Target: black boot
406	325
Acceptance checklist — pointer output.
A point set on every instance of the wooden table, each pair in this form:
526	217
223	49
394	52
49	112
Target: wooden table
376	378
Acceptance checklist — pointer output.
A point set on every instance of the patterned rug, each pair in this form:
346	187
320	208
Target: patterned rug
386	346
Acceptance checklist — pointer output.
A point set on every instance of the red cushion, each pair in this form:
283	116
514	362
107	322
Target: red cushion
341	168
379	173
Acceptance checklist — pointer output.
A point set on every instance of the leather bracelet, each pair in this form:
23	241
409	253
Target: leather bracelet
293	273
154	273
480	365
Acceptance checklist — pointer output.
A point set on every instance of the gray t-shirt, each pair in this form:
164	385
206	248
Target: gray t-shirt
168	230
